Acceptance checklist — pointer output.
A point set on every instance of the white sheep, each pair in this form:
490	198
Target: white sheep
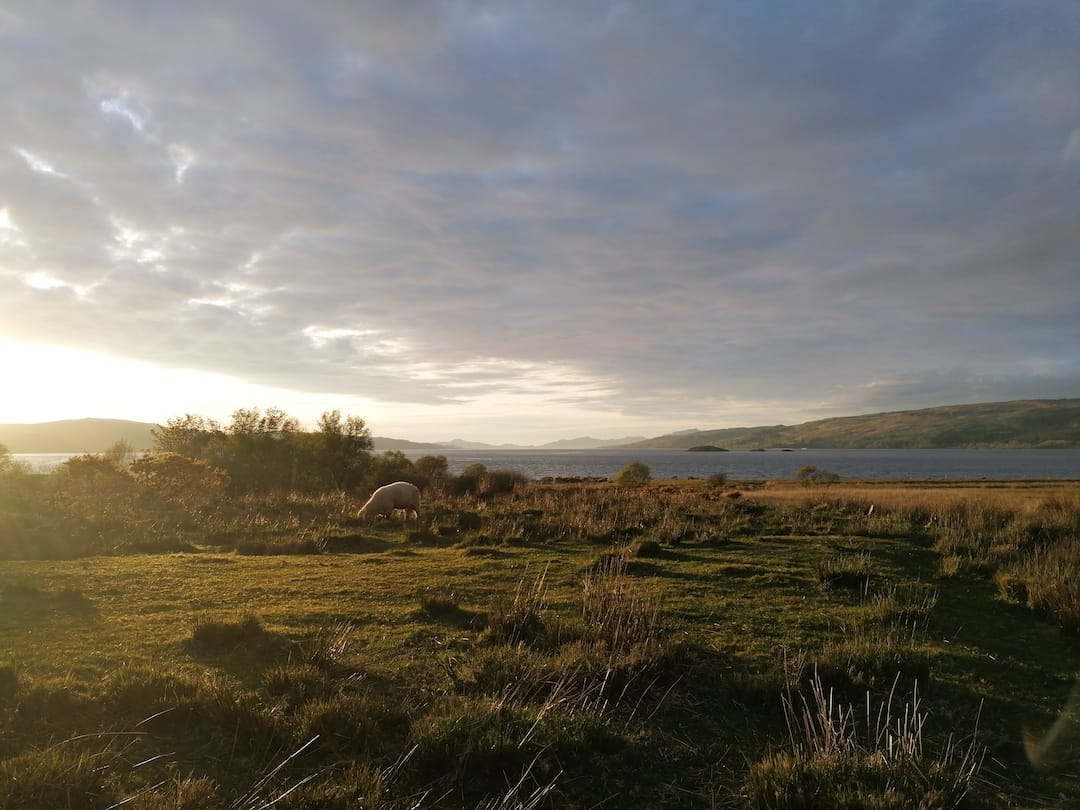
384	500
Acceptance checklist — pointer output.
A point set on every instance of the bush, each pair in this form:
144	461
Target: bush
718	479
173	477
810	475
95	474
391	466
634	474
468	483
501	482
431	472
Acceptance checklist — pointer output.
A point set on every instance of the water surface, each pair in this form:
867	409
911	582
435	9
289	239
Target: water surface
748	464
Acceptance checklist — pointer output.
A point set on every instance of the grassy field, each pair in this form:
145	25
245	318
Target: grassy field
680	644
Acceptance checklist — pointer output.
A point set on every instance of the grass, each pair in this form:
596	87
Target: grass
845	756
552	645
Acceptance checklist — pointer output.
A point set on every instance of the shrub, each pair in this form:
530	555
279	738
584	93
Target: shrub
811	475
173	477
388	467
501	482
634	474
468	483
94	474
718	479
432	472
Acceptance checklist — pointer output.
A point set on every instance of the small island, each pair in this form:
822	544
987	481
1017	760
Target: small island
706	448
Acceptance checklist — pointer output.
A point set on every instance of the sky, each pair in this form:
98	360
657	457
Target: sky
524	221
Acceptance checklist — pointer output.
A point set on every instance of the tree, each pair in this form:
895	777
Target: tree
633	474
342	450
189	435
432	472
262	451
8	465
391	466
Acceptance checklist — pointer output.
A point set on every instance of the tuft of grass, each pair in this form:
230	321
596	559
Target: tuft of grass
330	649
842	758
846	570
518	617
217	636
176	793
646	548
440	602
867	658
57	777
616	610
297	683
370	724
1047	580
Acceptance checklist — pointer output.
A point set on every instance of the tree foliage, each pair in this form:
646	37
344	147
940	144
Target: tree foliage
343	450
263	451
173	477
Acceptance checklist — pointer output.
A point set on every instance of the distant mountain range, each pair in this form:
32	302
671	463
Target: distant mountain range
1020	423
97	435
580	443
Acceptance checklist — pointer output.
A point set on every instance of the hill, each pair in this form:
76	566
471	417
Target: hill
384	443
76	436
1019	423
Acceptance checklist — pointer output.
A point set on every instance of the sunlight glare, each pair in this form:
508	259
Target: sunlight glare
48	383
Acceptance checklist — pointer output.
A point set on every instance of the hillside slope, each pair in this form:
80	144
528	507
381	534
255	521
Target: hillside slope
75	436
1020	423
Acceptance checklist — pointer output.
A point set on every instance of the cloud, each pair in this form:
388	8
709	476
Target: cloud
666	211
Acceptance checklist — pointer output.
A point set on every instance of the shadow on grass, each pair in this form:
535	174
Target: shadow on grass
31	601
1020	668
454	616
356	544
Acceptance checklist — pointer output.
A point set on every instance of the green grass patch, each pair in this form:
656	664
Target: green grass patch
546	646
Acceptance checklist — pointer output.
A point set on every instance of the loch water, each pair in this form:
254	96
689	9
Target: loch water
749	464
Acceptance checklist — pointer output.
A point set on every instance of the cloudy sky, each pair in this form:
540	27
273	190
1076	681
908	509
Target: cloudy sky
516	221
